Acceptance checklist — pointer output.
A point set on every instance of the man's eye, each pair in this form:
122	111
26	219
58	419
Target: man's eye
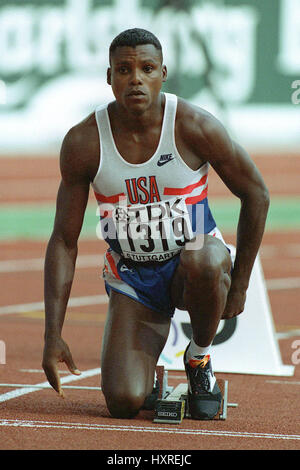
123	69
148	68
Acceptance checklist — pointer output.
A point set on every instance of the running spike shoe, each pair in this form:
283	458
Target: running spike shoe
204	395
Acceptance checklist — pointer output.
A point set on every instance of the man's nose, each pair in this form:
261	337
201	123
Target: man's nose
135	77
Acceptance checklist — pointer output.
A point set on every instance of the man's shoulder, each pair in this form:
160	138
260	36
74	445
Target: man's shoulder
80	148
194	117
83	134
198	125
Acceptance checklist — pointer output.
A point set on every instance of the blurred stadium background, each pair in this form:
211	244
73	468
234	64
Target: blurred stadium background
239	59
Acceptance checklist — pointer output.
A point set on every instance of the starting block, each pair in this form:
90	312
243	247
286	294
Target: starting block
172	404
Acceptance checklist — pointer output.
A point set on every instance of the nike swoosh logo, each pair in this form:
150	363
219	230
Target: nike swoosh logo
165	159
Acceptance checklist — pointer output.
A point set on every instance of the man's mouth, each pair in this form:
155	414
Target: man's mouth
135	93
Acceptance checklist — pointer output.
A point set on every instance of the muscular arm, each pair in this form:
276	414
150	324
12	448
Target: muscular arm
61	256
239	173
248	186
200	138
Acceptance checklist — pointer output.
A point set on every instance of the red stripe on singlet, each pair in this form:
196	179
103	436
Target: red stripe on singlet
186	190
112	264
195	199
109	199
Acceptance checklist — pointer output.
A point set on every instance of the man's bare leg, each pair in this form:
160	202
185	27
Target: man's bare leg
133	339
201	285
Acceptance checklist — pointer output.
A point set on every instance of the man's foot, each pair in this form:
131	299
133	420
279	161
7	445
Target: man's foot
204	395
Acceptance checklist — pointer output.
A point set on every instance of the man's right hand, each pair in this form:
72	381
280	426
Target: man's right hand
55	351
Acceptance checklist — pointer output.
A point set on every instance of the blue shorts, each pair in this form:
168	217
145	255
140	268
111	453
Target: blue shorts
148	283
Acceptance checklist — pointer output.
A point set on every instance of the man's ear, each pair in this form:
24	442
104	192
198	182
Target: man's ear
164	73
108	75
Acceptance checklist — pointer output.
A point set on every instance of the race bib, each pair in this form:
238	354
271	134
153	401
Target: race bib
152	232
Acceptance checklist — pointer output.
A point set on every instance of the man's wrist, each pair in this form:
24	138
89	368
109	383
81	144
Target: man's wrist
51	334
239	282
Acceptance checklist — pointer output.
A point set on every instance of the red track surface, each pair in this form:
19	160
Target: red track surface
267	416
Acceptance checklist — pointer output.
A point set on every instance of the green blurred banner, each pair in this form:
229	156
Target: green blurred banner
240	59
35	221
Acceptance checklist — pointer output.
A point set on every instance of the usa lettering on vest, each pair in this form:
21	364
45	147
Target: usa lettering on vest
142	190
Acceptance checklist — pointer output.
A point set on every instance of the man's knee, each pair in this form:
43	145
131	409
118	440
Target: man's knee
206	267
124	405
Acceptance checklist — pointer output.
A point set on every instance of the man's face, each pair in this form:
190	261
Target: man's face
136	76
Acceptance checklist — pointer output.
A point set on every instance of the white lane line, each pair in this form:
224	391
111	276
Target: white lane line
97	300
35	306
41	371
25	390
96	260
144	429
287	334
41	387
286	382
272	251
37	264
272	284
284	283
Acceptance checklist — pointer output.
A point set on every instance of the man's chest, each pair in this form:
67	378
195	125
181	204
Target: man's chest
138	147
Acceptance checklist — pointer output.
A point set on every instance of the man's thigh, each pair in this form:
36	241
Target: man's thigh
213	253
133	339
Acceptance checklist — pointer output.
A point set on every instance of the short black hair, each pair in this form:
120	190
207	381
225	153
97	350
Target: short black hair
134	37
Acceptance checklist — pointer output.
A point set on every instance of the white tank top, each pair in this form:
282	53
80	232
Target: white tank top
149	210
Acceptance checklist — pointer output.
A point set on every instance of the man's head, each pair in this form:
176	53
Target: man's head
136	71
135	37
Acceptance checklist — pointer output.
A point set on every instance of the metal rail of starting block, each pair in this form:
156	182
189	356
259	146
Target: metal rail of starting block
172	406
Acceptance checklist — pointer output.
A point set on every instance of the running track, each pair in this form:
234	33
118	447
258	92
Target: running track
267	416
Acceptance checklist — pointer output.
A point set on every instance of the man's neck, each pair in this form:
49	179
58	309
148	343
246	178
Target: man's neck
137	122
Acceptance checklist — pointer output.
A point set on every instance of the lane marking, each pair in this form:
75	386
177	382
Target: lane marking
37	264
271	284
25	390
96	259
286	382
73	302
41	371
146	429
288	334
283	283
72	387
41	387
290	250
